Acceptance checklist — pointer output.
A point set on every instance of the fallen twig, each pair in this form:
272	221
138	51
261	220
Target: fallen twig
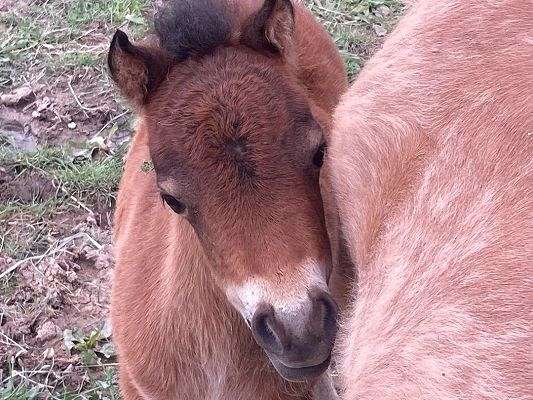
109	123
84	109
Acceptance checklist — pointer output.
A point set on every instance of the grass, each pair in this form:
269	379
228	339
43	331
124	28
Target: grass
357	26
73	60
46	33
50	189
104	388
94	181
39	35
62	44
95	350
82	12
67	184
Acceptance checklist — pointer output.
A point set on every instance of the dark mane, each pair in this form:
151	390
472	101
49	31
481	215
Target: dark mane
193	27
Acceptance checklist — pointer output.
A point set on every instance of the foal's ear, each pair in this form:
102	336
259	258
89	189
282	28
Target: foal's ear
137	70
271	28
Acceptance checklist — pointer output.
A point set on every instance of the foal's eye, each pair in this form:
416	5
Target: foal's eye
177	206
318	158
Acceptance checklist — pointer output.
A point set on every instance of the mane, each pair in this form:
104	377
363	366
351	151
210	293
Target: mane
193	27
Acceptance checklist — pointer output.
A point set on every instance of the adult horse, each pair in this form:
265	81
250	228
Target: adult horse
431	169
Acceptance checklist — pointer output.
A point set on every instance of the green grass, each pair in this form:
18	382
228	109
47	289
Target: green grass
354	25
62	33
76	60
93	181
104	388
50	42
73	186
98	358
101	387
116	12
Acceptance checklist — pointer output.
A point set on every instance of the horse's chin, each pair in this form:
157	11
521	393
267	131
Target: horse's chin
300	374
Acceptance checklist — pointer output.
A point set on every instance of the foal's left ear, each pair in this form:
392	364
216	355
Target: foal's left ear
137	70
271	28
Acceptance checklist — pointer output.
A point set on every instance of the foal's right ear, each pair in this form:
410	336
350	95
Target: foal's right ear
272	27
137	70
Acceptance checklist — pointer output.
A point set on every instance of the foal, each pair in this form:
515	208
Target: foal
234	102
431	164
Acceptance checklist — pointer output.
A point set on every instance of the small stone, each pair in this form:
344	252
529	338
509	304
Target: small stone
101	144
42	104
71	276
384	10
17	96
36	114
49	352
380	31
71	125
91	220
47	331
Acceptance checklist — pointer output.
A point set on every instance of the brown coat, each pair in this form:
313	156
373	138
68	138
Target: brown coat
231	126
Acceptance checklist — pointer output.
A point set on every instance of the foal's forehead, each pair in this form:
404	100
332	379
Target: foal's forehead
228	109
230	120
231	86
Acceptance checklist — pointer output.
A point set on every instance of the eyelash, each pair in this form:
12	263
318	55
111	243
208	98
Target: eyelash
175	205
318	158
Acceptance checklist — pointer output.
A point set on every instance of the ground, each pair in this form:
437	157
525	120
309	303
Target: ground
63	134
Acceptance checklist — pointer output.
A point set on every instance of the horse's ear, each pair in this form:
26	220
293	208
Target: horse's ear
137	70
271	28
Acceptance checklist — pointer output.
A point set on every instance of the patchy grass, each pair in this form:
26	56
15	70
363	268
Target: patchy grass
37	34
56	200
82	12
44	184
95	181
358	26
73	60
95	352
58	49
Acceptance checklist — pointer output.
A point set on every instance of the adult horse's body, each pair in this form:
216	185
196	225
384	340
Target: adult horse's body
431	167
233	102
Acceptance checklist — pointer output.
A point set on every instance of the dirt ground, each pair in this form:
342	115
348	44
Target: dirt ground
63	134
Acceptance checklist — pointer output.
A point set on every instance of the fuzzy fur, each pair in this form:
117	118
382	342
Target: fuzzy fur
431	166
178	337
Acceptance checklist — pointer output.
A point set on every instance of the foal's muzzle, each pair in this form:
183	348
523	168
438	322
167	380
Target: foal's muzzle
298	347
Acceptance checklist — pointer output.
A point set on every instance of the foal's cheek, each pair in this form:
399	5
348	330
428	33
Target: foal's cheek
222	270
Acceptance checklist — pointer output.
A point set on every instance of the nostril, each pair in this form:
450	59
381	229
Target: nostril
325	312
263	330
267	331
330	314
